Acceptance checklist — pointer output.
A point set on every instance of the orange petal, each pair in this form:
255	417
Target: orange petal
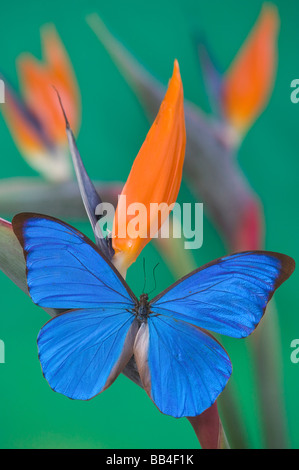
156	173
40	97
248	83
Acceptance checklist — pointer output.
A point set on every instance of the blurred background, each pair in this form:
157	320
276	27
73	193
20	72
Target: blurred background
113	127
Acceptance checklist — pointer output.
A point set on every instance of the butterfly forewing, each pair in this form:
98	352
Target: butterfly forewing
65	269
228	296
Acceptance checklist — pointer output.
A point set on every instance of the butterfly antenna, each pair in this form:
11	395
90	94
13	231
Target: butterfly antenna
154	279
144	274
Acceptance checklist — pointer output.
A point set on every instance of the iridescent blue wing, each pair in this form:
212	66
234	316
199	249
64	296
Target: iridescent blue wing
229	295
65	269
182	369
83	351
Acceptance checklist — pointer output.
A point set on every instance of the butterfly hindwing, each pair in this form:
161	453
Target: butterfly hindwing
83	351
182	369
65	269
228	296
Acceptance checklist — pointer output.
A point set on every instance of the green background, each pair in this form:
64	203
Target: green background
113	129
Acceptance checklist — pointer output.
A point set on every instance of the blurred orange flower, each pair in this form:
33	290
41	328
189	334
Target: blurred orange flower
36	122
248	83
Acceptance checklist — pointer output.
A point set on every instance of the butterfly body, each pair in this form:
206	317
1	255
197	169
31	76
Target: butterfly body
103	325
142	309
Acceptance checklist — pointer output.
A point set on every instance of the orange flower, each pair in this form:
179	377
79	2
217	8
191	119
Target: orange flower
36	122
248	83
155	176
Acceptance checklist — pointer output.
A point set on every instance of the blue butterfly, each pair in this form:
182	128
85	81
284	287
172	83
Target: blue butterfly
182	367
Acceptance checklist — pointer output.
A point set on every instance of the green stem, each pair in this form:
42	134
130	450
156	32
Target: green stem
266	347
232	418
